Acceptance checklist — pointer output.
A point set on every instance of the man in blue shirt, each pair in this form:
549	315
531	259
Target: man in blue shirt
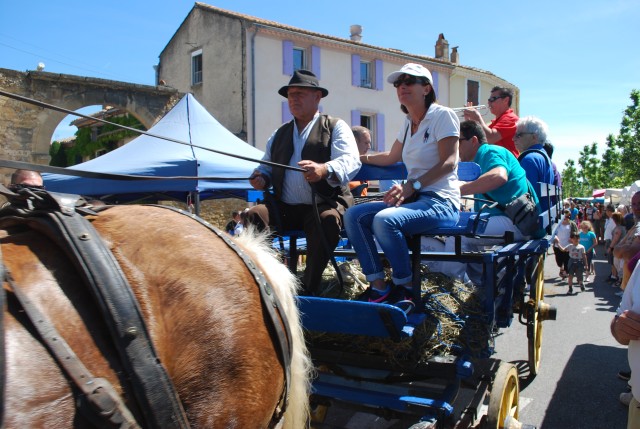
531	134
502	180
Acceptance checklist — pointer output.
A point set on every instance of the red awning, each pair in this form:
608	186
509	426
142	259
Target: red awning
598	193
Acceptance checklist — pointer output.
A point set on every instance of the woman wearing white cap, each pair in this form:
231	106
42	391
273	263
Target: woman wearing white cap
428	145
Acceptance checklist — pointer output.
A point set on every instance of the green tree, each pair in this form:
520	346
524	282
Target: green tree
610	165
619	165
57	154
571	186
590	166
629	140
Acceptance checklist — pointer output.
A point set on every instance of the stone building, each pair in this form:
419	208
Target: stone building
234	64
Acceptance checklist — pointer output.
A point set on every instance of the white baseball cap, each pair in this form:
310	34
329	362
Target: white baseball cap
412	69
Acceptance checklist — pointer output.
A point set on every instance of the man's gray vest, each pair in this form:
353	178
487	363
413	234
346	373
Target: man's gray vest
317	148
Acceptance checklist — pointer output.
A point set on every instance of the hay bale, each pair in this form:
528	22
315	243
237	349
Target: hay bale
455	322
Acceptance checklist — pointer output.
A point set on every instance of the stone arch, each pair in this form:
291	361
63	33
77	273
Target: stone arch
26	129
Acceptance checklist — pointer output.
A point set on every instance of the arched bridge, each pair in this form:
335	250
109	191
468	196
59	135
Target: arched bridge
26	130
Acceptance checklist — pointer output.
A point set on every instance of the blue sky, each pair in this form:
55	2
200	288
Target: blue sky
574	62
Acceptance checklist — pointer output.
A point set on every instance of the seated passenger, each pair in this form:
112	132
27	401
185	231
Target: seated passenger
531	134
428	144
502	180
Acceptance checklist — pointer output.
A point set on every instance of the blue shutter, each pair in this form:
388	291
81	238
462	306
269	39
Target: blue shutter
355	70
380	132
379	77
355	118
286	113
435	77
287	57
315	60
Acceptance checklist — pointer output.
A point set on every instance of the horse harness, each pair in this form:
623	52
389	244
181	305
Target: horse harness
60	217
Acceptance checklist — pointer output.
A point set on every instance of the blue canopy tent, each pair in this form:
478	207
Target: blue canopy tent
218	175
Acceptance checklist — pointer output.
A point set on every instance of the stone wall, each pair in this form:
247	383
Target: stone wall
26	130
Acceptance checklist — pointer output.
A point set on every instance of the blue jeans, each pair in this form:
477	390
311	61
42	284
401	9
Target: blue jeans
389	225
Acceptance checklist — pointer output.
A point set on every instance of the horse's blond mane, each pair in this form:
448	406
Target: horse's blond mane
285	285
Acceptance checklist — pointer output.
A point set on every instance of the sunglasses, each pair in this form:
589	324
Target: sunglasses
19	186
492	99
409	80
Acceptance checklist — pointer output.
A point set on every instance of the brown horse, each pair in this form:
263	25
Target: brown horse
202	309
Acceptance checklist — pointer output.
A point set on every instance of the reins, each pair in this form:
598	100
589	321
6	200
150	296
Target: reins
90	174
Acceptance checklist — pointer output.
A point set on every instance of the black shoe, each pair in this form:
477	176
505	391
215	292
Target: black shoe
624	375
401	293
570	291
403	299
379	297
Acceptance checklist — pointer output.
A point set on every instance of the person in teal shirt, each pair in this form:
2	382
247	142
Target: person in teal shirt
589	241
502	179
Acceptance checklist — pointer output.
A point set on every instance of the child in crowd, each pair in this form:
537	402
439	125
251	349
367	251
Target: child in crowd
561	239
589	241
577	261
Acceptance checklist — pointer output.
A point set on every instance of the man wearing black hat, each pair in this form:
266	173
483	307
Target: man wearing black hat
326	149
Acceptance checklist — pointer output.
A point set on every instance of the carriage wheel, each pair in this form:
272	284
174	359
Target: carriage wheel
504	397
534	318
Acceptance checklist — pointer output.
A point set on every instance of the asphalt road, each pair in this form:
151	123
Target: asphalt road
577	384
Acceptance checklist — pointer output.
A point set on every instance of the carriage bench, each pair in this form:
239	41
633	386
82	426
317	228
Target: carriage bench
470	223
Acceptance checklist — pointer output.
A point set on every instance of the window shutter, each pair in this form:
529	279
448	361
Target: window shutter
286	113
287	57
315	60
355	70
435	76
380	132
355	118
379	76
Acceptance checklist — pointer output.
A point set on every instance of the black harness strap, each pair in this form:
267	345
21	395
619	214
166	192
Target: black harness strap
271	304
152	387
106	408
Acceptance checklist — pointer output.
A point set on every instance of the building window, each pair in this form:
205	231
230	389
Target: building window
296	58
299	59
473	92
100	152
369	121
196	67
366	74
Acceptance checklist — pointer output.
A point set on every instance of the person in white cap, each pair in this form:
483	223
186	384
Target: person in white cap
430	198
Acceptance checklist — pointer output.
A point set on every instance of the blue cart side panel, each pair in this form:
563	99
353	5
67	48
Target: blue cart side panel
355	317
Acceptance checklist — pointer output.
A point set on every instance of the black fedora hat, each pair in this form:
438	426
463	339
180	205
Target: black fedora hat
304	79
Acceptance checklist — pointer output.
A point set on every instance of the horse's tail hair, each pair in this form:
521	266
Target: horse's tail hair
286	286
